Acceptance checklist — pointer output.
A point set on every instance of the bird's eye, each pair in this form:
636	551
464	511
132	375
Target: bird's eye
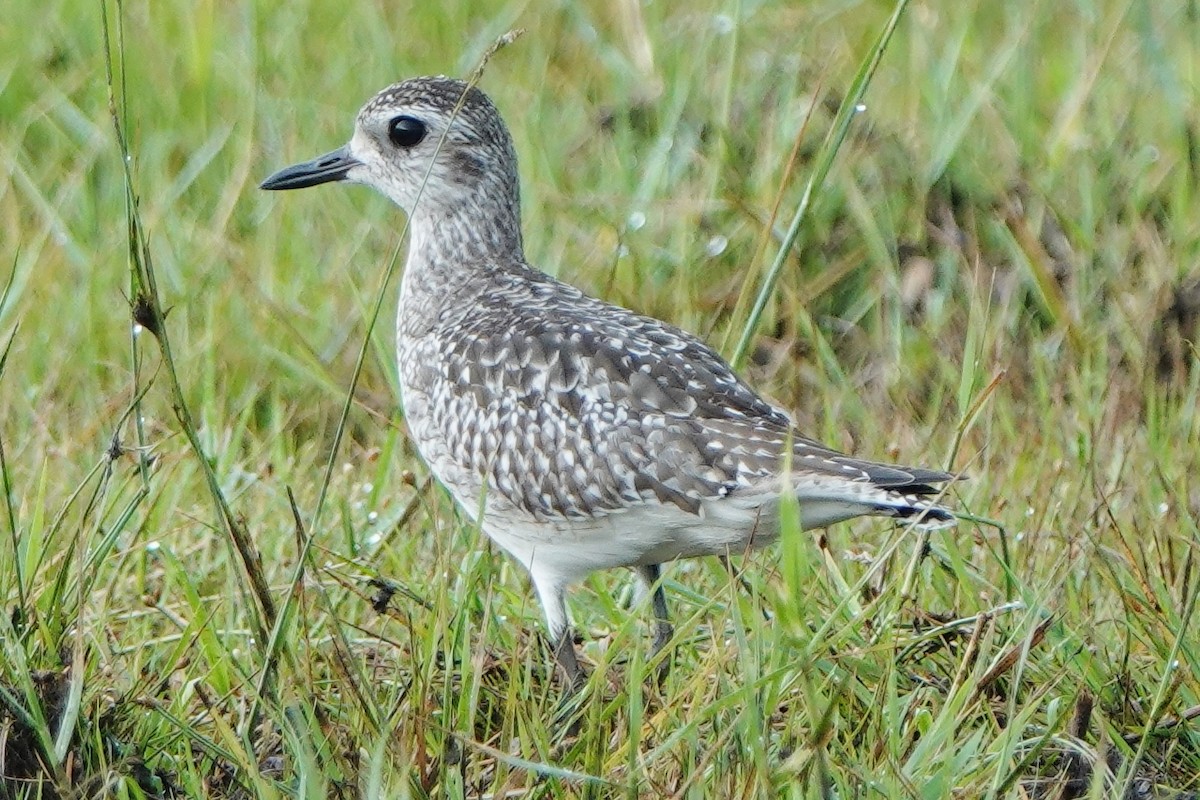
406	131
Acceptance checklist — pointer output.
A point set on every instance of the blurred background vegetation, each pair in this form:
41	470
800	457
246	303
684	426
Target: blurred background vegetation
999	277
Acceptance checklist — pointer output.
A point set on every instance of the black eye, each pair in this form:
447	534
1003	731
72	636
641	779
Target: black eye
406	131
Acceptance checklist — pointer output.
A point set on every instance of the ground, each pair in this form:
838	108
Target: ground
226	574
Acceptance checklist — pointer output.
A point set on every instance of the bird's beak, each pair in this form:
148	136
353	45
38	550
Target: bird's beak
322	169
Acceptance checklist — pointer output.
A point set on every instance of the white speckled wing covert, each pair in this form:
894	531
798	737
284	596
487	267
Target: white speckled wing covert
566	408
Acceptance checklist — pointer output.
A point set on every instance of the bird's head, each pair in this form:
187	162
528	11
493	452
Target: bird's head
431	144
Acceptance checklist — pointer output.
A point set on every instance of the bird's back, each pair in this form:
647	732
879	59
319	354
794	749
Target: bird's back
563	408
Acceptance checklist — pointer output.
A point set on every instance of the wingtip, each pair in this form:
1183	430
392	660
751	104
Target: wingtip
925	517
938	521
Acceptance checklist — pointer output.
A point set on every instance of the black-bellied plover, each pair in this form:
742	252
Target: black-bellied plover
587	436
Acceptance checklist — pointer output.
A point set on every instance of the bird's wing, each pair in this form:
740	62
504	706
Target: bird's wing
580	408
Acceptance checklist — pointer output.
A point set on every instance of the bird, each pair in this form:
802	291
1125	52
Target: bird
577	434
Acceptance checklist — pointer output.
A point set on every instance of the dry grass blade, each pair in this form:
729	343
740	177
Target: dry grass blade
1010	657
148	308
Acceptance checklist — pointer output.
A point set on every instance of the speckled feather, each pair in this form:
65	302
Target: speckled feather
566	407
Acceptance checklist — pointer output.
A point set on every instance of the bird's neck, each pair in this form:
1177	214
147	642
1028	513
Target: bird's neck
471	225
452	253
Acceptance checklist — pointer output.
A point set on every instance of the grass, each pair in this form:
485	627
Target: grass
997	276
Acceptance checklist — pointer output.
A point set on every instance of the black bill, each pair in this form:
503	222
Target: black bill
322	169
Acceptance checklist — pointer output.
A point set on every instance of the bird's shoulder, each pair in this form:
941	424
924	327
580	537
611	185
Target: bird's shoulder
533	334
582	407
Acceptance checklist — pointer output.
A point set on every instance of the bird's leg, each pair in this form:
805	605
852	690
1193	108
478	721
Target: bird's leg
570	708
733	573
741	579
649	575
567	660
554	605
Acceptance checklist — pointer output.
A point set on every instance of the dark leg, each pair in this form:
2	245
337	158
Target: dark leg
733	573
568	717
568	662
745	584
663	630
559	627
